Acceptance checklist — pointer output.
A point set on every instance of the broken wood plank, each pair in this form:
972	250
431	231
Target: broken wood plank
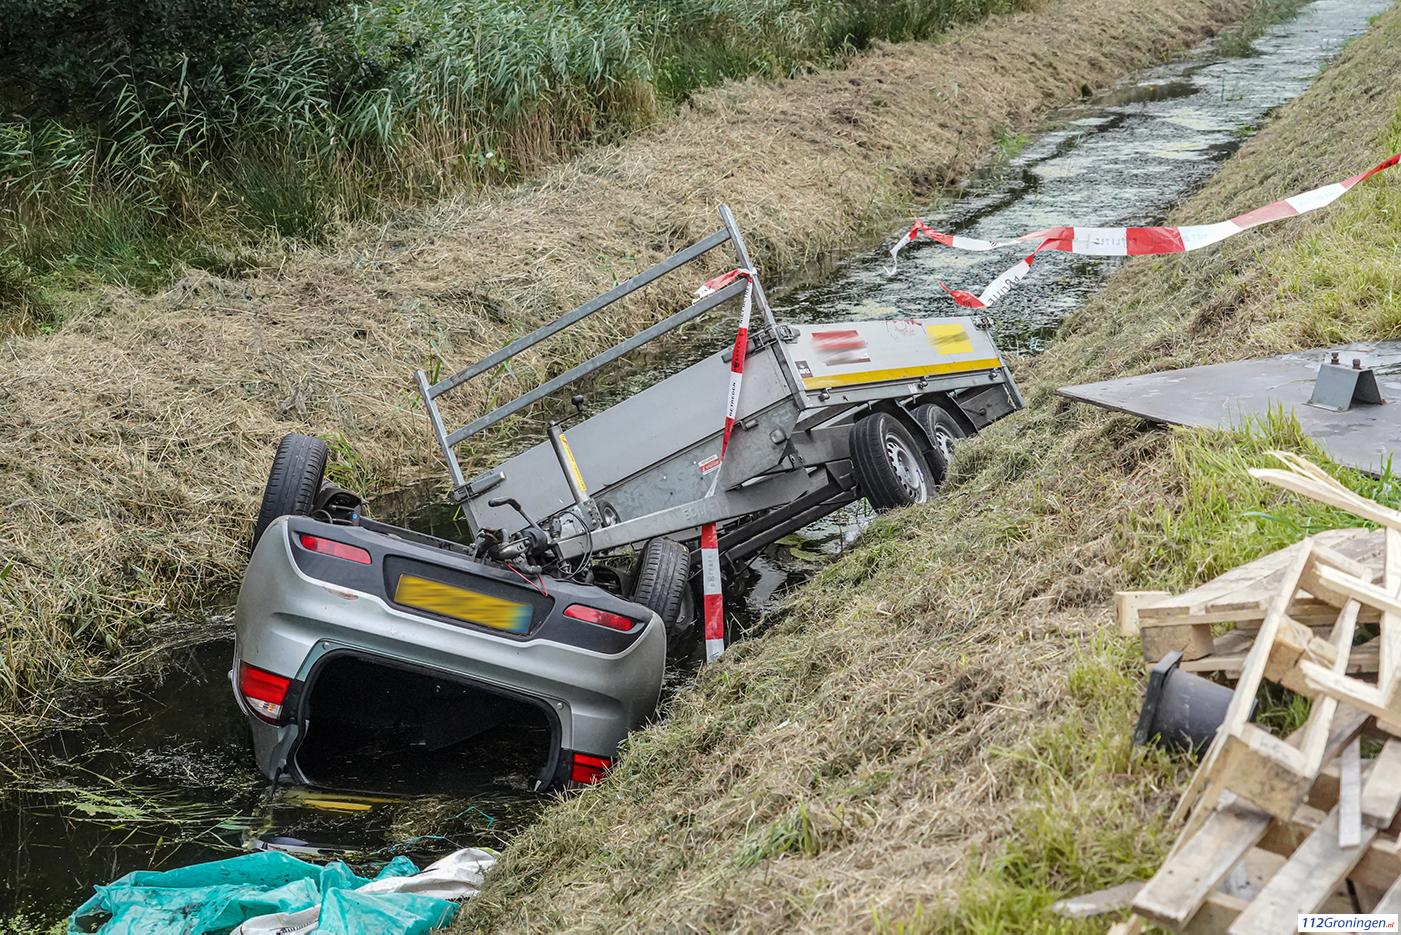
1295	643
1216	914
1244	593
1308	878
1270	772
1088	905
1185	878
1228	660
1380	864
1379	867
1350	795
1339	497
1354	587
1380	800
1266	770
1193	641
1248	575
1127	604
1390	900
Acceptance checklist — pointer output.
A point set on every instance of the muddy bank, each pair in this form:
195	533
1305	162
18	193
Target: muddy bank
936	736
134	440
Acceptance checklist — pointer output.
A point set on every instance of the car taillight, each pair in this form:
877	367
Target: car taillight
334	549
263	691
588	769
601	617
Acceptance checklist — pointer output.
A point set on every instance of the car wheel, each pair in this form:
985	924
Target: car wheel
890	466
296	474
663	581
945	431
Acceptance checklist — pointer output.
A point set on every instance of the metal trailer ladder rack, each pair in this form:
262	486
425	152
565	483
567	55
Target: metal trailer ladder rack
729	233
642	467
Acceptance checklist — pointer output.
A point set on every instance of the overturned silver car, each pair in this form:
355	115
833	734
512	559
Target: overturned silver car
554	613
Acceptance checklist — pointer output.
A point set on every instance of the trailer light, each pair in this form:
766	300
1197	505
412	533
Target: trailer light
602	618
334	549
263	691
588	769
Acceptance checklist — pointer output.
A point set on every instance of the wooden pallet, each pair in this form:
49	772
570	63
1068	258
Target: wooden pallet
1192	891
1190	622
1307	802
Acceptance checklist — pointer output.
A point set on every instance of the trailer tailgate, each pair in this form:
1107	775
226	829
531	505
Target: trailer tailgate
862	353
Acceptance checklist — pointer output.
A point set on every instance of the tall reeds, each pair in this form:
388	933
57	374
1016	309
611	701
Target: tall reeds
376	103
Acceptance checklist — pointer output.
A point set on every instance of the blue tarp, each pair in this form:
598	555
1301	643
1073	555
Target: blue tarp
217	896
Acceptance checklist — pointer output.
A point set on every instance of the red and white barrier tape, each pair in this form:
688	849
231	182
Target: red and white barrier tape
714	597
713	593
1125	241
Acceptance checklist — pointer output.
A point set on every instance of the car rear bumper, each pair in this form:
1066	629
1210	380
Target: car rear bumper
288	622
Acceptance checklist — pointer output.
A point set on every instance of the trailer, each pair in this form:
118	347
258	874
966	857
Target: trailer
530	615
642	468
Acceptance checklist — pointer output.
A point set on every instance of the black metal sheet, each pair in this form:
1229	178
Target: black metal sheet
1226	395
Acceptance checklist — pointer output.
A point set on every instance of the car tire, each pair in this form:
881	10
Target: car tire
663	580
890	466
945	432
296	474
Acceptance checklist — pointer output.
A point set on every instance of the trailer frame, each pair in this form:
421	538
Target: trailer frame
789	462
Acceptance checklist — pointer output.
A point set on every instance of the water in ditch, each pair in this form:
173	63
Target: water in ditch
155	772
1123	158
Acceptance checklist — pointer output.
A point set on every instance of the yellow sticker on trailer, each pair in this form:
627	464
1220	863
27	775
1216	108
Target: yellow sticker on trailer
949	338
462	604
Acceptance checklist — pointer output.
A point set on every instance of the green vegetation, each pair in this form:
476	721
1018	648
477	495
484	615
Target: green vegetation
129	150
1225	518
1081	828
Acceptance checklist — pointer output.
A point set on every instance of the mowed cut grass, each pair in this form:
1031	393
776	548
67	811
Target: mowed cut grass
934	735
135	439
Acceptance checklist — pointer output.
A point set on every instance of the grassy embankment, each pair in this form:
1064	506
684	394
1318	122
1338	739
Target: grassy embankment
233	129
134	438
934	735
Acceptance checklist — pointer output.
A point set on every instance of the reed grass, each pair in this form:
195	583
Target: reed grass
373	105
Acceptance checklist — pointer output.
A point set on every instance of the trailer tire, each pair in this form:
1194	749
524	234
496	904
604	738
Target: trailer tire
662	581
889	464
296	474
944	431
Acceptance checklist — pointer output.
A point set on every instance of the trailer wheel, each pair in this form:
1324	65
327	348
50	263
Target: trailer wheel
295	477
889	464
945	431
663	580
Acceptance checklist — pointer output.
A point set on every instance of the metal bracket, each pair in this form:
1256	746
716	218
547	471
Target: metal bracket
1338	387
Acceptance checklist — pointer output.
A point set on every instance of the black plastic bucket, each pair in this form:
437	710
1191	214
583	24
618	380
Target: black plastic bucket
1181	710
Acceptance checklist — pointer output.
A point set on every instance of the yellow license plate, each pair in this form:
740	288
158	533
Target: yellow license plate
462	604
